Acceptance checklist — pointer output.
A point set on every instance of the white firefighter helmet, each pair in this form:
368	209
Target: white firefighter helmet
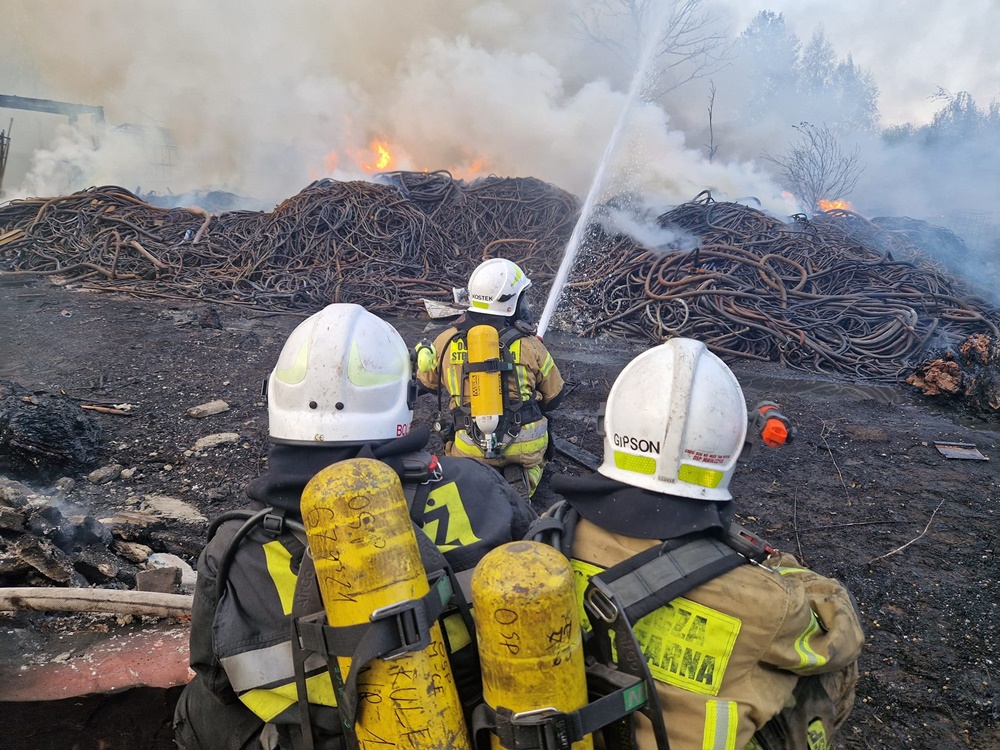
496	286
343	376
675	422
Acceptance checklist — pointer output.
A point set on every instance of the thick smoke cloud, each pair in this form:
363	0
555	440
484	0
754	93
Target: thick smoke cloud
261	98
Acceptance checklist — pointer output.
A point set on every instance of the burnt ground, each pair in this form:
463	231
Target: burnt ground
862	495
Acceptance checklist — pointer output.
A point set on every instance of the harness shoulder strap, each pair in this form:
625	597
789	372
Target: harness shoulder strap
651	579
618	597
392	631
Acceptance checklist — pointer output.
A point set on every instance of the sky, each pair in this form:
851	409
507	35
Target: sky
261	98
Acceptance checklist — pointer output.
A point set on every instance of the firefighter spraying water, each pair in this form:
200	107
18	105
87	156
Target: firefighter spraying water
500	380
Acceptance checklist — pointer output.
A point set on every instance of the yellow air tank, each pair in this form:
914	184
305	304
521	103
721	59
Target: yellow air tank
485	388
528	626
366	556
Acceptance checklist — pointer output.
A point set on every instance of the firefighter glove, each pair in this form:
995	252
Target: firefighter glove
426	356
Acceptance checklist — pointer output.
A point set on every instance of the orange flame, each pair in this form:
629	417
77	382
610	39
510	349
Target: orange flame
381	156
384	157
833	205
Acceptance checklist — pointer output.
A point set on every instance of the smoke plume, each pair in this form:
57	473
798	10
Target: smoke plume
262	98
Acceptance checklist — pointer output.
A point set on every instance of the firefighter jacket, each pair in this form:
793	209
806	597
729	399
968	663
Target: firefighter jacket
537	382
727	655
240	636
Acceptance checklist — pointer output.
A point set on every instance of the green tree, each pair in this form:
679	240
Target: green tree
856	96
816	66
767	54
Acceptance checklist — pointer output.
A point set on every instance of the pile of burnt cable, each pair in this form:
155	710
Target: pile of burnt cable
835	293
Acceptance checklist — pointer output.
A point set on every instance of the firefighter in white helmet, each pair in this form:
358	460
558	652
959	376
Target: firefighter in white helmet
742	655
342	388
531	384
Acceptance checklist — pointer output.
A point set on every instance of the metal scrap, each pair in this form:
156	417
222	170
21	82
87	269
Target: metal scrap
832	293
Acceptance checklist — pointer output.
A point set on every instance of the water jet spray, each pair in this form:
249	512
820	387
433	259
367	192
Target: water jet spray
646	56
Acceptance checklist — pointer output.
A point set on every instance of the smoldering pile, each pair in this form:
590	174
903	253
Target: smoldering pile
45	539
834	293
382	245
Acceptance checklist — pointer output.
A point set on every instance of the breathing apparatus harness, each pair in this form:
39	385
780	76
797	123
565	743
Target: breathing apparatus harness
614	601
392	631
516	412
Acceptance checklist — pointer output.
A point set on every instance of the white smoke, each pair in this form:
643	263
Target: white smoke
262	98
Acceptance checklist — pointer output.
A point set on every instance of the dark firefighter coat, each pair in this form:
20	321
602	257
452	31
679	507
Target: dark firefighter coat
240	642
726	656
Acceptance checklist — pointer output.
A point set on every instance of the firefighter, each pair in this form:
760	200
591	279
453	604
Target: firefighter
341	389
531	384
761	655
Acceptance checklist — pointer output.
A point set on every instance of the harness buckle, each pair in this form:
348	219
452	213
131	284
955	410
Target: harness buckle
273	523
600	602
411	626
539	729
414	617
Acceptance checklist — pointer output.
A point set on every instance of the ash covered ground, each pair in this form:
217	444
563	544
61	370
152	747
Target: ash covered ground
862	495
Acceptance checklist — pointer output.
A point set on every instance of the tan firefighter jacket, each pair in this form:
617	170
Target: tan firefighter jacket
537	381
727	655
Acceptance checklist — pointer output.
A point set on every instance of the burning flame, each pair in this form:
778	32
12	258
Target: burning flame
384	159
380	156
833	205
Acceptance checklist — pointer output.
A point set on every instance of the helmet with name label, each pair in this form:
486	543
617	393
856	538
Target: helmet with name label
496	287
343	376
675	422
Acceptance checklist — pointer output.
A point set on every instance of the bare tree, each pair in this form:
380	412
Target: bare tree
691	45
817	168
712	148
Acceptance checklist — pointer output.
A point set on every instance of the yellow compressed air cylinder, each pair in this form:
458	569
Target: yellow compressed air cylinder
528	626
366	557
485	388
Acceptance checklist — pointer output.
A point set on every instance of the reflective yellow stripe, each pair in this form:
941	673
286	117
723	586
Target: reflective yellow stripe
523	389
265	703
279	566
359	374
807	656
458	634
699	475
535	475
451	382
816	736
296	372
635	464
518	448
465	448
547	365
720	726
464	445
270	703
